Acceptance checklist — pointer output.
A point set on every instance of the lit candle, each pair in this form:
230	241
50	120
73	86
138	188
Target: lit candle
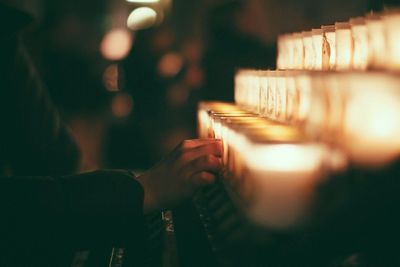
263	104
391	19
329	48
360	43
271	105
344	46
298	51
292	98
308	50
376	41
371	125
303	87
318	41
280	96
280	177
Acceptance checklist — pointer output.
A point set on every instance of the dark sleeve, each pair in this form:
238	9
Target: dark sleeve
103	208
33	139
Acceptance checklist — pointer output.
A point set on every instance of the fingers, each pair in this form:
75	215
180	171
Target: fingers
188	144
208	163
202	178
214	148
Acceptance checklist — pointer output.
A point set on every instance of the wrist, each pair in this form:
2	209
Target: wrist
149	199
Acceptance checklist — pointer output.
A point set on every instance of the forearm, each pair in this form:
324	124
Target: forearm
80	211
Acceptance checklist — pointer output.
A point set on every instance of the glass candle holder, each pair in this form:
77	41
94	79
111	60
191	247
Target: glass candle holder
280	96
298	51
344	46
359	34
292	98
376	41
318	42
263	103
304	90
371	123
391	20
308	50
329	47
271	104
281	176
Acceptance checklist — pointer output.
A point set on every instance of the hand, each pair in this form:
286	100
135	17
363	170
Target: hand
190	165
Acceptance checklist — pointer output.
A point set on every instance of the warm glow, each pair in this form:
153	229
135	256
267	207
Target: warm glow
284	158
116	44
142	18
372	122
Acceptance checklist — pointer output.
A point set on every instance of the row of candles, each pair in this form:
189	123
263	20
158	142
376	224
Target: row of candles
370	42
358	112
271	167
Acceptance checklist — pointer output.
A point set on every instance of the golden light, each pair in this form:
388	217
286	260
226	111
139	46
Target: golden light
283	179
142	18
329	48
344	46
360	43
170	64
116	44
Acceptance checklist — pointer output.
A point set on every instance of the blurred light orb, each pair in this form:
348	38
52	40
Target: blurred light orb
170	64
122	105
110	78
116	44
142	18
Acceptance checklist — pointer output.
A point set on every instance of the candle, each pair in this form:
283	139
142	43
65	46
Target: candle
318	41
376	41
308	50
271	105
303	87
292	98
280	178
329	48
371	125
360	43
344	46
298	51
391	19
280	96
